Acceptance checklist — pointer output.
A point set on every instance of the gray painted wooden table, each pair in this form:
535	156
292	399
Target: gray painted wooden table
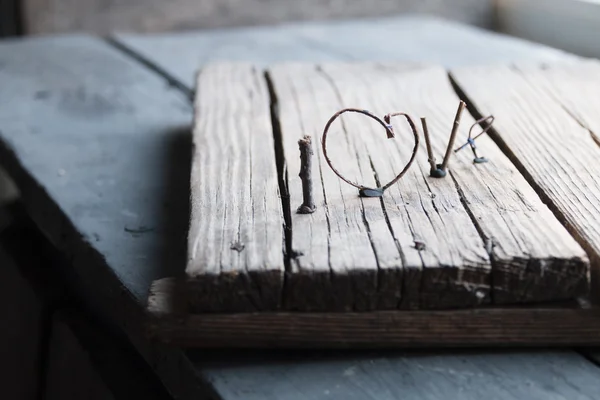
96	134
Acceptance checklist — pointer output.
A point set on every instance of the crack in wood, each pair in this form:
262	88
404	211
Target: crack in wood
352	145
282	175
472	99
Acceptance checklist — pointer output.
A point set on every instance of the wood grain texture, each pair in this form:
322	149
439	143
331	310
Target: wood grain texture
390	375
482	236
575	86
349	235
104	16
338	250
432	40
552	149
235	243
100	147
376	329
534	258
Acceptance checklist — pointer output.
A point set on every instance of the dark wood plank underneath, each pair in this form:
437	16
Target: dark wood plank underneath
557	326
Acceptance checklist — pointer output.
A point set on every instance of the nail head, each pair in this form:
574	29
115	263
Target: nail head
304	209
437	173
369	192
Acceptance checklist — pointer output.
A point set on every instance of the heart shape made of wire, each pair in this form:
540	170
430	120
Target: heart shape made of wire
365	191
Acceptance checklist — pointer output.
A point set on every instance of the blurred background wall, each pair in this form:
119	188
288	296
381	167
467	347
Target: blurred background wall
572	25
103	16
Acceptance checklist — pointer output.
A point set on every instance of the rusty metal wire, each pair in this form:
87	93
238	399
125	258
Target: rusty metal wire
386	124
489	120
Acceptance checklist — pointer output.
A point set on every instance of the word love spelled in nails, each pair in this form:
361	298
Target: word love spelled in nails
436	170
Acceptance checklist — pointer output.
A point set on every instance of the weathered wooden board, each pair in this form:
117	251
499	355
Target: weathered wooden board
480	236
85	215
546	132
565	325
533	256
338	251
575	86
399	274
99	147
235	249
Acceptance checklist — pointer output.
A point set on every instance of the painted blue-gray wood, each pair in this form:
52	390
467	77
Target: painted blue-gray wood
409	38
107	140
498	375
100	149
99	144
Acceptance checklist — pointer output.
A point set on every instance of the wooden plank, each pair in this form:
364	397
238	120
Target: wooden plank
376	329
534	257
489	374
100	147
349	239
549	146
81	123
530	263
340	249
235	248
104	16
431	40
574	86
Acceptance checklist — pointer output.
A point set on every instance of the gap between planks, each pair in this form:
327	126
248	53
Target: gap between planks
152	66
554	104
